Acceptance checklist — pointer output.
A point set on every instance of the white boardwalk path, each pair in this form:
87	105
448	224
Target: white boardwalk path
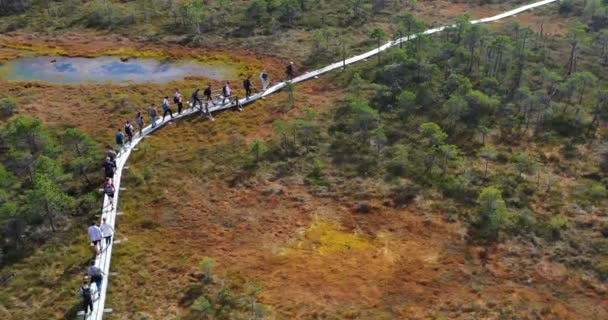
109	211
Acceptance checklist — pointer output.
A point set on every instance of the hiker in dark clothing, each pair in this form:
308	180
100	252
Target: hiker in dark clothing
120	140
96	275
87	298
290	72
129	131
178	100
196	98
167	108
207	94
248	87
109	167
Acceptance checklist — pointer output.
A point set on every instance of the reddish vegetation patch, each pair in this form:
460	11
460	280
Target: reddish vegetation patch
316	257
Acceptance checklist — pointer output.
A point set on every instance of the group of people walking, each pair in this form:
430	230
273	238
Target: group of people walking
101	235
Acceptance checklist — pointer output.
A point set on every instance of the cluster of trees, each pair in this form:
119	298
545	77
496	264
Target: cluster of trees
449	112
196	16
45	184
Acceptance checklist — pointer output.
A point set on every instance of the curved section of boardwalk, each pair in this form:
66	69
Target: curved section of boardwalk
109	211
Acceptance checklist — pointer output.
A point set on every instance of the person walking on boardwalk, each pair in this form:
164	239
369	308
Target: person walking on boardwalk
226	92
120	140
106	231
178	100
96	275
207	94
129	131
265	80
87	298
248	87
290	71
196	99
167	108
141	123
96	236
109	168
153	114
110	153
109	190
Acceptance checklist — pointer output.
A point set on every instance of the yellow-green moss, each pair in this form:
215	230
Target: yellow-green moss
326	237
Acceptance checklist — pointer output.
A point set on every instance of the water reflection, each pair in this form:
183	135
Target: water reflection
108	69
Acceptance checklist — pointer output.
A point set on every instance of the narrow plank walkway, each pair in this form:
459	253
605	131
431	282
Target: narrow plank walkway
109	211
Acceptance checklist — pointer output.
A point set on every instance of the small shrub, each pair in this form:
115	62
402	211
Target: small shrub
7	107
207	264
149	224
604	229
590	193
602	269
566	7
404	195
556	225
364	207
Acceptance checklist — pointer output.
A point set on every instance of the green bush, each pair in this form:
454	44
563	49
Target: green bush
8	107
602	269
404	195
590	193
557	224
493	215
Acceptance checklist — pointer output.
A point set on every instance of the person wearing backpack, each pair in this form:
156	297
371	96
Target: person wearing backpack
153	114
226	92
96	275
167	108
129	131
139	120
248	87
108	190
265	80
87	298
109	168
177	99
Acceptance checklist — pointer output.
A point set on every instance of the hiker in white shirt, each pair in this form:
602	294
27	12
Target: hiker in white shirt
226	92
106	231
96	236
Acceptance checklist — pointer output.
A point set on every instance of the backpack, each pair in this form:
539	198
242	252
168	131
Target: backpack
86	293
265	76
96	277
175	99
108	189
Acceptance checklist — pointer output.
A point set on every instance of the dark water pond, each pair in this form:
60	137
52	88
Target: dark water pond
108	69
